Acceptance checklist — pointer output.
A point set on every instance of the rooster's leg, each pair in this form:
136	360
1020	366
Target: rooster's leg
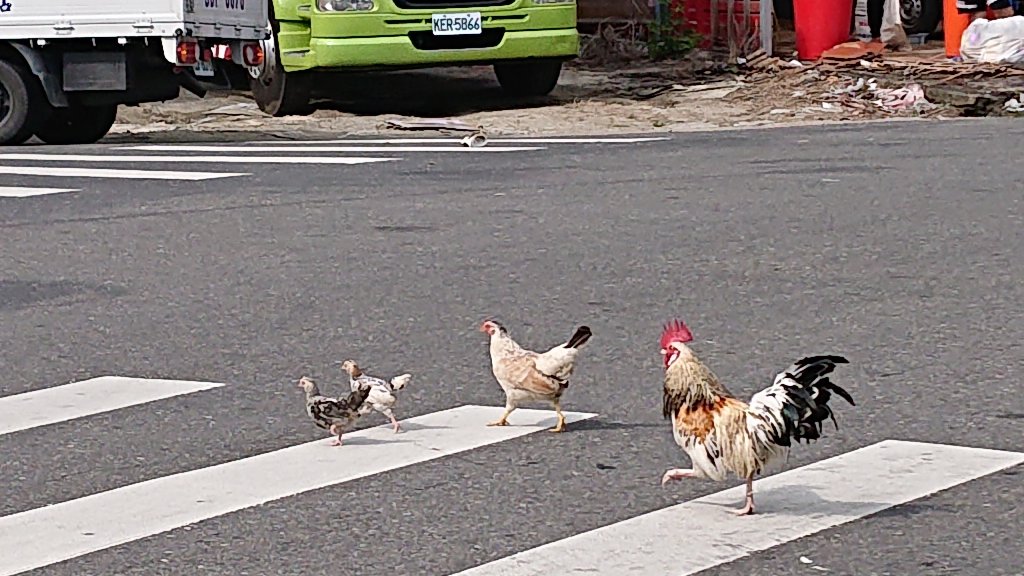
748	508
560	427
676	474
503	421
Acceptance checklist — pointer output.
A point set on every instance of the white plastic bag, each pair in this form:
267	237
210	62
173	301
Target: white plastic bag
892	31
994	41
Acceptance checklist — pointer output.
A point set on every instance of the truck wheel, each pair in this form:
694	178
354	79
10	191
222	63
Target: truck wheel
77	124
278	93
920	16
20	95
528	78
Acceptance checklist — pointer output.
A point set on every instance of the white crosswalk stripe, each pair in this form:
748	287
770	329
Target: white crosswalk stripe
44	536
845	488
831	492
148	159
85	398
26	191
333	149
255	158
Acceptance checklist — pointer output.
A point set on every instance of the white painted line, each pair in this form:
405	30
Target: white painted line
192	159
356	141
88	397
332	149
700	534
59	532
115	174
26	191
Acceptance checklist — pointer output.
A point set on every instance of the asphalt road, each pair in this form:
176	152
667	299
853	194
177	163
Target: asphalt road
897	245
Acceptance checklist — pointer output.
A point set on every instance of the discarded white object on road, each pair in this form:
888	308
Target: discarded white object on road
806	560
1014	104
474	140
909	97
994	41
861	84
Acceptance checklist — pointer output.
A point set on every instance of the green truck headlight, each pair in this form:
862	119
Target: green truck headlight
344	5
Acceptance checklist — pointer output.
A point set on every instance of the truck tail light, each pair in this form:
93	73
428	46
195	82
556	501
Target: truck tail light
252	54
188	52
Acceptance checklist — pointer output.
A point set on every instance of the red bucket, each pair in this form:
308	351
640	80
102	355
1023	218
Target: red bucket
820	25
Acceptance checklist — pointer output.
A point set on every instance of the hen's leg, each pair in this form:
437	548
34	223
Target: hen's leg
748	508
676	474
503	421
560	427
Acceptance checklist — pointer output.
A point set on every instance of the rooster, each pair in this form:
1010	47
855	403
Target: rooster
722	434
382	396
527	376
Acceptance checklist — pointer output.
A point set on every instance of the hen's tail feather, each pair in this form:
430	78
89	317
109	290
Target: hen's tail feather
802	394
579	338
399	382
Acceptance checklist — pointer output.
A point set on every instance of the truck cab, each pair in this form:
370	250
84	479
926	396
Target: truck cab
65	70
526	42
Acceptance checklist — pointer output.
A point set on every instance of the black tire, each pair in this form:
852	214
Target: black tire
21	103
77	124
529	77
920	16
279	93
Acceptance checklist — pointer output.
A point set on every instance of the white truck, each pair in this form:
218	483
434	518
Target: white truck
66	66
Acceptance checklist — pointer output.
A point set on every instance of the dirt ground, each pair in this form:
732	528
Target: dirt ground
699	92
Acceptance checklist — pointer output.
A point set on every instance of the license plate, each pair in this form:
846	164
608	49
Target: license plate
456	24
203	68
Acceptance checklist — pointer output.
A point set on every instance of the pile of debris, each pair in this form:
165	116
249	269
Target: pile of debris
880	85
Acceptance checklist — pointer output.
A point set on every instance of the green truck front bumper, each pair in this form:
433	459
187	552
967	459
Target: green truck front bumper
380	40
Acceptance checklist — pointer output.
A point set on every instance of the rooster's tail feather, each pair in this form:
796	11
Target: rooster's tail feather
797	402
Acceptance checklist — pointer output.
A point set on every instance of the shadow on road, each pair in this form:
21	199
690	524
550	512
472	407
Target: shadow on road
424	93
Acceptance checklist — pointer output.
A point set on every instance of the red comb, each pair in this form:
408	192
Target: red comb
675	331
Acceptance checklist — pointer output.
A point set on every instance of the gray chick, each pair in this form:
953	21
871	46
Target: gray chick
333	414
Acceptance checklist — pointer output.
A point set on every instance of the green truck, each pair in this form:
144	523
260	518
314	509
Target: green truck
526	42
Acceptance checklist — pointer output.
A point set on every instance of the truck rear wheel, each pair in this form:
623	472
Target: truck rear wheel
529	77
920	16
276	92
77	124
20	98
